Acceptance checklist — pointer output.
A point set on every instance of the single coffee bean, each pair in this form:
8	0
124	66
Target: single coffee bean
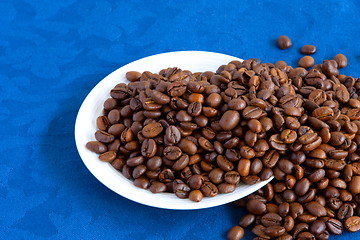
256	207
107	156
341	60
209	189
157	187
275	231
142	182
317	227
172	152
284	42
352	224
96	147
308	49
182	190
315	209
247	220
187	146
235	233
196	195
354	185
271	219
306	62
334	226
305	236
133	76
229	120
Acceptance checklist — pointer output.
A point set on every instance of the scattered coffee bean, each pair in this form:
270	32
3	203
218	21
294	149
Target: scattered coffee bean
308	49
284	42
341	60
306	62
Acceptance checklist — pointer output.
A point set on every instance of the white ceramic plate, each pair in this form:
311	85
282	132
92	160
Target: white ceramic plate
91	108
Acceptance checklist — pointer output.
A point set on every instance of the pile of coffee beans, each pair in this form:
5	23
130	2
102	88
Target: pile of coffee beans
200	134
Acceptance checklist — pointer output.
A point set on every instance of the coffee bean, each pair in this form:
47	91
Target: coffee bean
315	209
306	62
107	156
209	189
271	219
142	182
274	231
148	148
305	236
172	152
334	226
187	146
182	190
317	227
157	187
341	60
133	76
284	42
354	185
196	195
229	120
352	224
256	207
247	220
308	49
96	147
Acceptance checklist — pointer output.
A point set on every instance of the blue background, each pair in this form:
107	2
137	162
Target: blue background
52	53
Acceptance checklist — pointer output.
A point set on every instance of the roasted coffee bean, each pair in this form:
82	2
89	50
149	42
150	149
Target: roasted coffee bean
305	236
345	211
104	137
226	187
315	209
271	219
352	224
341	60
107	156
196	195
275	231
235	233
209	189
284	42
229	120
289	223
306	62
247	220
172	152
182	190
295	209
172	135
308	49
300	227
256	207
302	186
148	148
181	163
96	147
187	146
317	227
195	181
157	187
334	226
142	182
354	185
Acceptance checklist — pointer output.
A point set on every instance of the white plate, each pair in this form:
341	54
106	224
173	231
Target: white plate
91	108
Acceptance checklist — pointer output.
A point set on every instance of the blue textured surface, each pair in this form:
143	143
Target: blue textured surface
52	53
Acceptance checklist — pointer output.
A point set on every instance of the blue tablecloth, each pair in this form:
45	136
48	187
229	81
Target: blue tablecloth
52	53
